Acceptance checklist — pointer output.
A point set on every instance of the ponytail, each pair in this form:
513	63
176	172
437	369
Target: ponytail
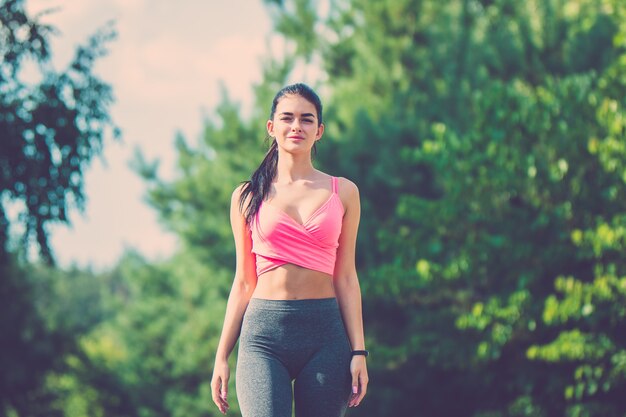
259	183
261	180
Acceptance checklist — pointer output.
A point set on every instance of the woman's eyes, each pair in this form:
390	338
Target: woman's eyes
288	119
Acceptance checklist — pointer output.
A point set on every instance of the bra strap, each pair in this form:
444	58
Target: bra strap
334	185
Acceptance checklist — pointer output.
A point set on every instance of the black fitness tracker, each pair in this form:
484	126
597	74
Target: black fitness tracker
360	352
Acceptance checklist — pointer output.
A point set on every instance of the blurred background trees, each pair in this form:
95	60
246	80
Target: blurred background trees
51	125
487	140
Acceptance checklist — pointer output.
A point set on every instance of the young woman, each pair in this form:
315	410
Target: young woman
295	303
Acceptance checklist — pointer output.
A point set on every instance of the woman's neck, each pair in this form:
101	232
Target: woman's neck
291	168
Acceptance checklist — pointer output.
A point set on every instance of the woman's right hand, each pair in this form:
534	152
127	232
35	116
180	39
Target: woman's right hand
219	385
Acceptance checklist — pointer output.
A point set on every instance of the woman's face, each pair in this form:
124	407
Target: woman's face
295	124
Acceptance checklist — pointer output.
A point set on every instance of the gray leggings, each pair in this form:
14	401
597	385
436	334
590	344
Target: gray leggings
286	340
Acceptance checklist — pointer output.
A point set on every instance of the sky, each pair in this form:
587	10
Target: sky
165	67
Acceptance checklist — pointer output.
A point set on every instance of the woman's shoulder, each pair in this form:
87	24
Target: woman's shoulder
347	185
342	182
241	190
348	191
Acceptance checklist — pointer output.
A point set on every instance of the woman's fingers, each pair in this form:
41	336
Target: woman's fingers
355	393
219	391
359	388
219	385
355	384
363	380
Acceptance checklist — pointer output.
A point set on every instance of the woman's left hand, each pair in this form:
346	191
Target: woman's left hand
358	369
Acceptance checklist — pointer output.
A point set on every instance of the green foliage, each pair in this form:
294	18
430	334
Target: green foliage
160	343
51	130
44	313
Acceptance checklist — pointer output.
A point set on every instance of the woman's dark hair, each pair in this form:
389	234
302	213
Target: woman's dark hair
260	181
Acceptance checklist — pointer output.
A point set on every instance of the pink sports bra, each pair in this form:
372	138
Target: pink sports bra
277	239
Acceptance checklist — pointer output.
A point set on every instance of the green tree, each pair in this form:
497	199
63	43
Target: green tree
45	312
49	131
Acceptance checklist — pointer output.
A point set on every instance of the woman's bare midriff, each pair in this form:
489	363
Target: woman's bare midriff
292	282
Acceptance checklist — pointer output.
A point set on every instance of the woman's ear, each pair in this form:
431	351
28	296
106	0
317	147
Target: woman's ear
320	132
270	128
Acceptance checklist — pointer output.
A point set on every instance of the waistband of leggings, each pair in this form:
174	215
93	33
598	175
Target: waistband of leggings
308	304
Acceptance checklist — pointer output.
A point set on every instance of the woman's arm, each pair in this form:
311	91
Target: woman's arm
347	287
244	284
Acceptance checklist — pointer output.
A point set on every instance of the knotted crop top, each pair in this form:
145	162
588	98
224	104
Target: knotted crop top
278	239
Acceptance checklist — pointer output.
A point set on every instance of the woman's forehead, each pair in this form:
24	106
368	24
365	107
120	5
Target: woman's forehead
295	104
